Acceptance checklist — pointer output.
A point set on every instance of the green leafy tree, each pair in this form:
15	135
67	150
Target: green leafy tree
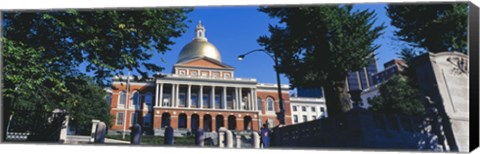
42	51
89	103
317	47
434	27
397	96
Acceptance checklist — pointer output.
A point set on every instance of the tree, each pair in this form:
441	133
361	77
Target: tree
109	41
434	27
90	103
397	96
43	51
318	46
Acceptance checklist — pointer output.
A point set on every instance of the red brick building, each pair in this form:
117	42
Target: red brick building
201	92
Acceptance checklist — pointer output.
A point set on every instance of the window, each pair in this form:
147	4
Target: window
295	119
216	75
226	76
294	108
259	104
218	103
314	117
194	99
194	73
133	118
322	109
182	72
304	108
122	99
304	118
166	100
269	104
229	101
120	116
206	101
182	100
313	109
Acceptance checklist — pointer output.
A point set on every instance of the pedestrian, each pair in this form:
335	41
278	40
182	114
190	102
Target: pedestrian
265	135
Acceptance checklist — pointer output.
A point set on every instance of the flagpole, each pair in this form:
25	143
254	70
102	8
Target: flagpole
125	115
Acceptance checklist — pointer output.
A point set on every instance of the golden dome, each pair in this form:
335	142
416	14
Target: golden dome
199	47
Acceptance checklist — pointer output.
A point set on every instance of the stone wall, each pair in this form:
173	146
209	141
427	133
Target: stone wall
359	129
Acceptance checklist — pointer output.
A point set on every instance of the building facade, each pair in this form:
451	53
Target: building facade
307	109
201	93
362	79
391	68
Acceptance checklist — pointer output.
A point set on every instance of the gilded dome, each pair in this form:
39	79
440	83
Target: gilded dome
199	47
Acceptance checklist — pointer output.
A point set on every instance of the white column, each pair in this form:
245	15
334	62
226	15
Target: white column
236	102
176	95
255	99
212	95
172	95
200	97
189	96
249	100
156	95
241	98
161	94
224	98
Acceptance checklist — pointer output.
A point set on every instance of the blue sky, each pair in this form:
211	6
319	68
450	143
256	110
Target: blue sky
235	29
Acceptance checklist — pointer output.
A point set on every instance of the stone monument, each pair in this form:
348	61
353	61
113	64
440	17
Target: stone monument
443	78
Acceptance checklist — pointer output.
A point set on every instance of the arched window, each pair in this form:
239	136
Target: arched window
247	123
182	120
259	104
148	100
270	104
122	99
207	123
232	122
194	122
165	120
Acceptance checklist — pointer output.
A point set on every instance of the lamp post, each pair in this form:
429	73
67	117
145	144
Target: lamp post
281	114
126	105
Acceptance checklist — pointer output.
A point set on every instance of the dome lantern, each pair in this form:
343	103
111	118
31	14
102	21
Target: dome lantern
199	47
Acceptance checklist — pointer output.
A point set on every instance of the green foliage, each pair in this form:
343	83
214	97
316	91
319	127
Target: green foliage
317	46
108	40
434	27
397	96
89	102
42	53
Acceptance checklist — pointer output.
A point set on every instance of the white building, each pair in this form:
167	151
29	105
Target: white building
307	109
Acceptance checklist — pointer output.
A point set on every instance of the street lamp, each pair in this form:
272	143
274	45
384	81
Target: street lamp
281	114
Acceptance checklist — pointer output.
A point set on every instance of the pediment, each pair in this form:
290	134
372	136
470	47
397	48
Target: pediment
204	62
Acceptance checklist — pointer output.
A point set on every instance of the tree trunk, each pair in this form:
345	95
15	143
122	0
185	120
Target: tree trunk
337	98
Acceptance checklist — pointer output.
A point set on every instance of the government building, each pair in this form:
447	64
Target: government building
201	93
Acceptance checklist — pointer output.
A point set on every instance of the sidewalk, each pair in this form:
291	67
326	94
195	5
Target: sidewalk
77	139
